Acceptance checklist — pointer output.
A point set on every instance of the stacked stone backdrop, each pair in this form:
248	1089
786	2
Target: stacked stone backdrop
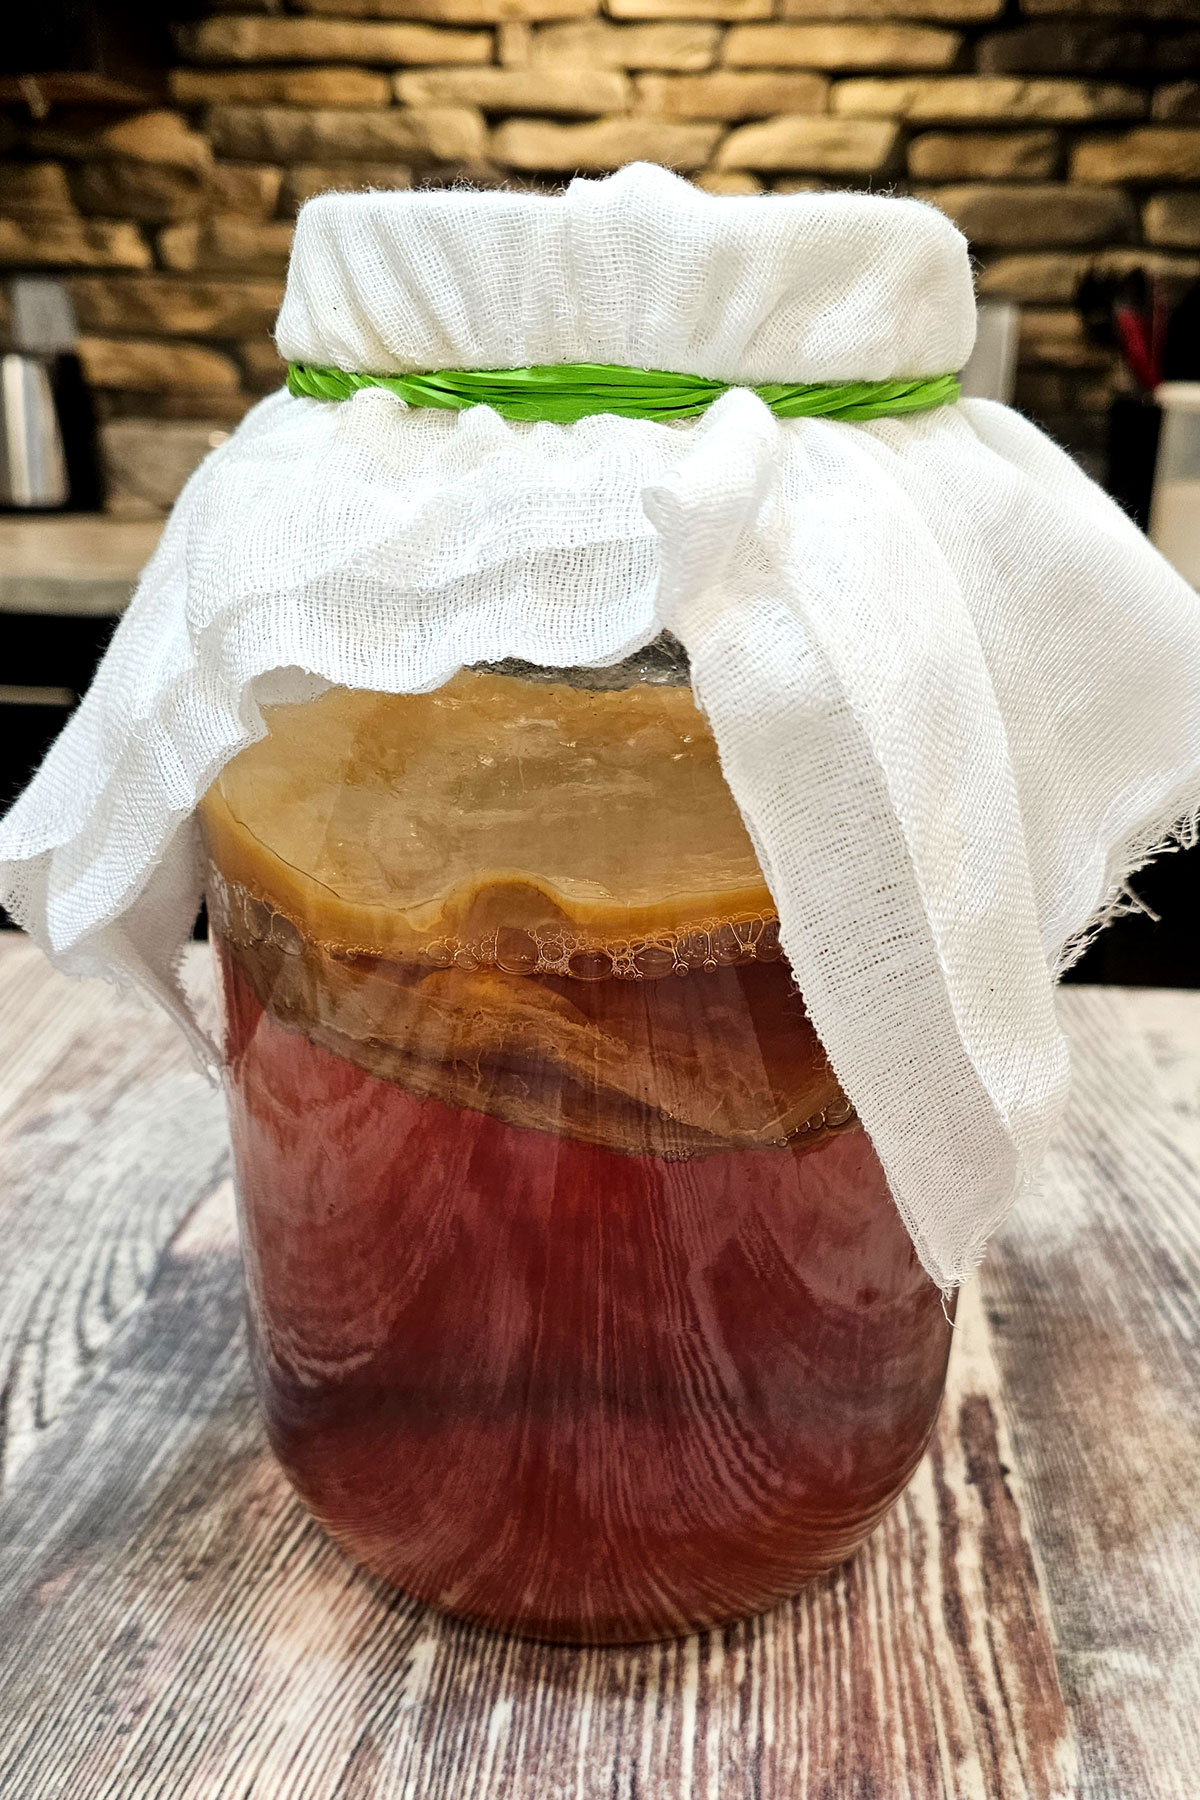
1063	136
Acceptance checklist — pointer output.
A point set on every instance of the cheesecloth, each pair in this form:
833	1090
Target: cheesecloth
956	694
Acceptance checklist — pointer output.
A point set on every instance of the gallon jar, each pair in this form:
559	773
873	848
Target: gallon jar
579	1303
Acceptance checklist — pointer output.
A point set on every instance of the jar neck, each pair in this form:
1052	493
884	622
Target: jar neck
661	663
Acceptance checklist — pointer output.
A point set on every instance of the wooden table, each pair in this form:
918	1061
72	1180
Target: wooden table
1025	1624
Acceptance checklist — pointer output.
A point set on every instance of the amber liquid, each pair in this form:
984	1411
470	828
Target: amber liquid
574	1390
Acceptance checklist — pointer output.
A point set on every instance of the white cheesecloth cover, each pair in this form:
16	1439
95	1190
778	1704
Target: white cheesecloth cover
955	692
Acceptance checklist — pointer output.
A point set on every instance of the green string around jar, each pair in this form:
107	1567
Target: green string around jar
564	392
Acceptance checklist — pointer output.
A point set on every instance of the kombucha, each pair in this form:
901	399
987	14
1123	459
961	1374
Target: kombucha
579	1305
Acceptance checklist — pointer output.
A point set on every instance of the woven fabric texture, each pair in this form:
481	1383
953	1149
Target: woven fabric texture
955	692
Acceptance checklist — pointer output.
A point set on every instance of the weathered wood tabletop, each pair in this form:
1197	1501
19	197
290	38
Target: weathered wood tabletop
1025	1624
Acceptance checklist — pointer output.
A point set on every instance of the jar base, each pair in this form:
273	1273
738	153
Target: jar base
640	1620
604	1634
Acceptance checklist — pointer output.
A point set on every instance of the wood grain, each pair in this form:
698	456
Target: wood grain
174	1625
109	1137
1093	1296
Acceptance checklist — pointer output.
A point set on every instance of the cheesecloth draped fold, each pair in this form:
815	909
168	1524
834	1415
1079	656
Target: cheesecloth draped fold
955	692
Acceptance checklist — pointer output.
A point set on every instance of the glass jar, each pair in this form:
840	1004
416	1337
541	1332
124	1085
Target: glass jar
579	1305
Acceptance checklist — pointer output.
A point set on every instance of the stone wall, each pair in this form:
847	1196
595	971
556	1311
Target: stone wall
1062	135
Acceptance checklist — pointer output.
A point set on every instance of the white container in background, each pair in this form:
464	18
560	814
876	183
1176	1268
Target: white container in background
991	372
1175	507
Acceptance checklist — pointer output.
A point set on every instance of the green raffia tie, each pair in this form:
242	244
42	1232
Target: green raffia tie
564	392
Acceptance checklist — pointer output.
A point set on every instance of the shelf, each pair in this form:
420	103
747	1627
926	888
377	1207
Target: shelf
80	565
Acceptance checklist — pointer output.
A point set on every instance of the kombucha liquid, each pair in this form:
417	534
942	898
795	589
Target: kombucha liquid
579	1304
